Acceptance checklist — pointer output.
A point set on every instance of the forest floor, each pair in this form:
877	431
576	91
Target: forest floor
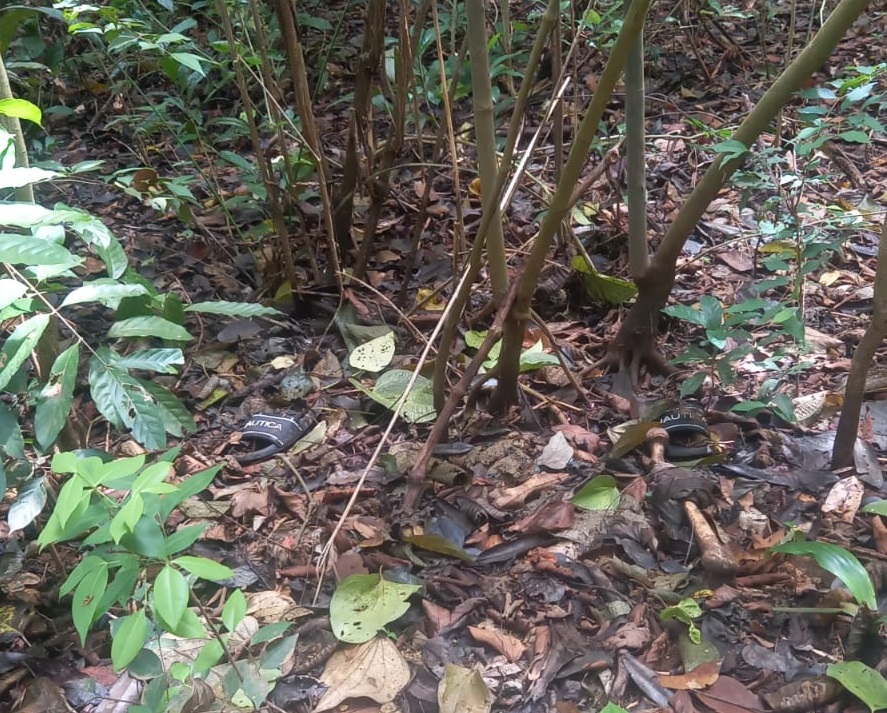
555	598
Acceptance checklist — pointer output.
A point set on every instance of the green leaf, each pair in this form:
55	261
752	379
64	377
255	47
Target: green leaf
56	397
876	508
534	358
28	504
189	626
108	393
862	681
232	309
474	338
177	419
364	603
855	137
750	408
613	708
86	599
600	493
19	346
211	653
70	499
711	312
731	149
149	327
838	561
270	632
373	355
121	590
183	538
161	361
21	109
688	314
130	636
153	476
86	518
197	483
126	519
685	612
28	250
11	440
234	610
128	402
10	291
118	474
170	595
105	291
87	565
419	405
693	384
147	539
96	234
276	654
203	567
20	176
439	544
191	61
604	288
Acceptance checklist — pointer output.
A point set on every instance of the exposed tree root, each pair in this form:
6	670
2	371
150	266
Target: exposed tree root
621	357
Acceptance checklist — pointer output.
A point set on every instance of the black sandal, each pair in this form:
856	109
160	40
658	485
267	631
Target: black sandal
275	433
689	437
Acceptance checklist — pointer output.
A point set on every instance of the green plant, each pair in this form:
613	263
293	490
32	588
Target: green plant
128	543
685	611
865	682
800	232
136	570
728	338
52	307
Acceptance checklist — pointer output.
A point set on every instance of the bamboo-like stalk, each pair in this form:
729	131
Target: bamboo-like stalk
265	172
635	158
485	136
14	127
296	61
546	24
513	333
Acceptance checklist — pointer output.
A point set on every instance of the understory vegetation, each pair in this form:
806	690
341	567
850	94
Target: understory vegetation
568	317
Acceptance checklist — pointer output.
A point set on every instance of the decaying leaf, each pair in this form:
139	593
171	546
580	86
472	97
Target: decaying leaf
462	690
373	670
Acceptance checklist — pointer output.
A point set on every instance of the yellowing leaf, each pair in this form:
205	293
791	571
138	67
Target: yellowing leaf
430	300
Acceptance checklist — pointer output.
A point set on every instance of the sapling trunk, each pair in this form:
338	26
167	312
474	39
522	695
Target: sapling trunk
635	338
635	158
546	23
295	57
848	424
509	361
25	193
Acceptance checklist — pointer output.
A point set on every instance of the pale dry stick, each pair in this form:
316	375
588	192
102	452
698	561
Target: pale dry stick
323	560
521	165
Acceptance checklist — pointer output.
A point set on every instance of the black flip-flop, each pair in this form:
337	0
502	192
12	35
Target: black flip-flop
682	424
277	433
